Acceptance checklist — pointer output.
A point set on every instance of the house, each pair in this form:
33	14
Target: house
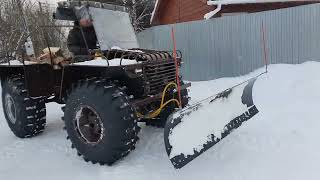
177	11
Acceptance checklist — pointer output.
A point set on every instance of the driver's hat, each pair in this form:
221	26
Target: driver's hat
82	13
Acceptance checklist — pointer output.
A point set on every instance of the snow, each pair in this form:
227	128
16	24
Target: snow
211	118
95	62
116	48
130	50
212	13
156	6
17	63
103	62
281	142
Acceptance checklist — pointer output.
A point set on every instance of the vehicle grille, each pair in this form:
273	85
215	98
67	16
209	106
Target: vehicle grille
158	75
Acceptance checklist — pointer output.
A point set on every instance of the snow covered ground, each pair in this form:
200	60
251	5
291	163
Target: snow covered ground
281	142
103	62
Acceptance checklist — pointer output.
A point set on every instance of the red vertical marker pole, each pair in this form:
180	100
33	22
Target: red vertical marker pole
176	63
263	33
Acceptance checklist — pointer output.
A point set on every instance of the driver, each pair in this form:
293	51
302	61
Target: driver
82	36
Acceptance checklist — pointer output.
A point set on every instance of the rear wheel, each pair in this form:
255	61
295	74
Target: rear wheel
25	116
100	123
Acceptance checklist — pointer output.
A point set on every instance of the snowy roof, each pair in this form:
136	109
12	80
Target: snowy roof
219	3
155	9
216	2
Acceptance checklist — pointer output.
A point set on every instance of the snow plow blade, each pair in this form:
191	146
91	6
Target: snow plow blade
193	130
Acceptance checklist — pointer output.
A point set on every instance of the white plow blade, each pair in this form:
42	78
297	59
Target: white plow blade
191	131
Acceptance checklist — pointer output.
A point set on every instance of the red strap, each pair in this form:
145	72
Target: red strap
176	64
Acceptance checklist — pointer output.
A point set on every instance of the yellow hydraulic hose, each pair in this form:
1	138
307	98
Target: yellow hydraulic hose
162	105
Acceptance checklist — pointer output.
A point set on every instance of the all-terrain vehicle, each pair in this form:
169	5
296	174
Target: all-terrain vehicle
105	97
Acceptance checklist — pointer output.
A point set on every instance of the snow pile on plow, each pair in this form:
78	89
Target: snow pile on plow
207	122
223	111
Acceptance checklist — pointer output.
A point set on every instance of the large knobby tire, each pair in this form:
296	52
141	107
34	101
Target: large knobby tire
25	116
161	120
100	123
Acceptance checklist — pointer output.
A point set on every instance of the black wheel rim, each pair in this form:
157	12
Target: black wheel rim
88	125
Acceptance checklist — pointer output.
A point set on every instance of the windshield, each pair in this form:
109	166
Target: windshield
113	29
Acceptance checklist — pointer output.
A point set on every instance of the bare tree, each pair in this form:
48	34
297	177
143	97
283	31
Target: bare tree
39	24
140	12
10	28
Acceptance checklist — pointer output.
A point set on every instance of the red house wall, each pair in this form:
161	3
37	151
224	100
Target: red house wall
177	11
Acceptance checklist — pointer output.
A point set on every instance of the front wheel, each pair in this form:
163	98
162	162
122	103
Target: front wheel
100	122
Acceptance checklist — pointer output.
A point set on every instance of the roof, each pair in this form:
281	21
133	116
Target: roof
155	9
226	2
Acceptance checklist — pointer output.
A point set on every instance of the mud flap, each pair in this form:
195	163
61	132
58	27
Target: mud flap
39	79
193	130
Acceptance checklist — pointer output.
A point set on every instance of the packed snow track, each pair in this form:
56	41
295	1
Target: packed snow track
281	142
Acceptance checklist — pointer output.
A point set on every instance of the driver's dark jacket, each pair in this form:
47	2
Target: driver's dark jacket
76	43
